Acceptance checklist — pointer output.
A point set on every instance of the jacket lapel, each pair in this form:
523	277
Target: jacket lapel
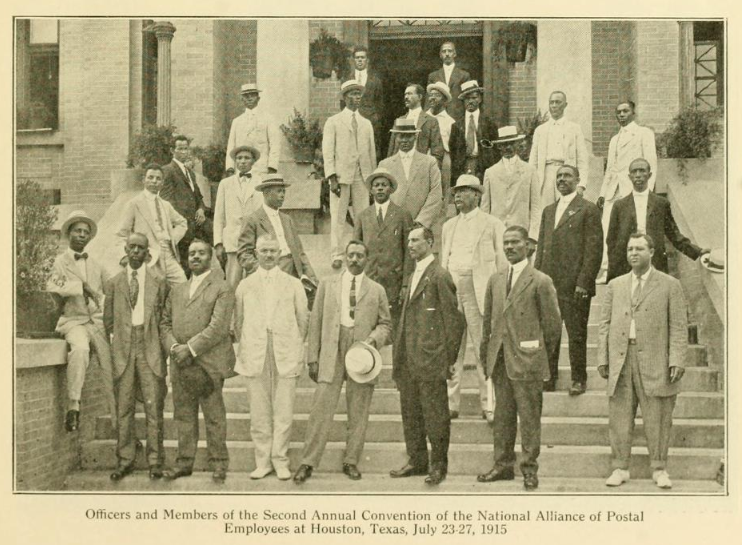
525	278
424	279
575	207
646	288
651	206
388	219
150	293
144	211
414	165
632	211
205	282
397	165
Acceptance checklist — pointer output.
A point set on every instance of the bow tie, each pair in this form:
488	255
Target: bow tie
83	255
248	175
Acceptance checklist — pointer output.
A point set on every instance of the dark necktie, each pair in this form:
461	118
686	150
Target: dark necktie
471	136
244	177
83	255
354	126
380	218
133	289
636	294
159	214
353	298
510	282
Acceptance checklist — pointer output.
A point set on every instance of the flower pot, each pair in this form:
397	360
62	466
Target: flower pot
322	65
36	315
516	50
303	155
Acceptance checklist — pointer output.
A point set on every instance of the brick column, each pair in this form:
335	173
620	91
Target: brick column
164	31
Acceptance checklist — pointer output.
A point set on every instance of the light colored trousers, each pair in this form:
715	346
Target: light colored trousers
168	265
549	193
339	210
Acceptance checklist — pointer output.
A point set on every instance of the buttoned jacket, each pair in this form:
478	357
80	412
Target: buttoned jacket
343	151
635	142
575	150
420	194
232	208
259	130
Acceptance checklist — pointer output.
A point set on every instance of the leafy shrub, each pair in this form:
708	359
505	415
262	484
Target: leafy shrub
35	249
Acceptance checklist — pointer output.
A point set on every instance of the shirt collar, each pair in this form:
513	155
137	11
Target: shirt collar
415	111
629	128
422	265
475	113
359	277
558	122
140	270
567	199
72	252
443	114
469	215
254	111
270	211
348	112
149	195
449	67
643	277
384	207
265	273
198	278
408	154
642	194
511	161
181	165
518	267
247	174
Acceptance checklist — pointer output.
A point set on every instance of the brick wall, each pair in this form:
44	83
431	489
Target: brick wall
522	91
323	93
42	164
237	40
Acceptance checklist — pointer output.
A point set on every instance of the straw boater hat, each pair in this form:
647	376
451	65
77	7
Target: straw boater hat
272	180
468	180
362	362
254	151
508	134
73	218
381	172
351	85
248	88
402	125
469	87
442	88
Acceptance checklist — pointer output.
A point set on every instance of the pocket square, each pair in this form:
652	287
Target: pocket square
529	344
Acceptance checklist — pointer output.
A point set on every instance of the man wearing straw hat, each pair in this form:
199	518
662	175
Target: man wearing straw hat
471	252
451	75
78	280
349	155
349	323
254	127
439	97
472	136
512	192
429	135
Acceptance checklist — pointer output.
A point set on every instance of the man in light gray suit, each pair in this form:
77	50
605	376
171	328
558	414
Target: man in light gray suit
641	351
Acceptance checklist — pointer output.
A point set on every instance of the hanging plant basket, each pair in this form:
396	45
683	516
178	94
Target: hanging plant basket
516	51
326	54
514	39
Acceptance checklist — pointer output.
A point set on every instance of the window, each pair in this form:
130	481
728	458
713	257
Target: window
708	56
37	72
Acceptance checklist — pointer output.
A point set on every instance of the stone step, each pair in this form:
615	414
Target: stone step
240	482
464	459
703	433
590	404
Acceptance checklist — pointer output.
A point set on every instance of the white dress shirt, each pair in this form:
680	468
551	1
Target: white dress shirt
383	207
555	140
185	173
509	163
634	282
345	319
640	204
447	71
406	161
275	220
420	267
467	117
268	278
445	122
562	204
246	181
137	313
361	77
414	114
517	269
462	246
154	202
195	282
80	264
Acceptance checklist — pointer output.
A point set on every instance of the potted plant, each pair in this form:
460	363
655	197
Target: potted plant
515	38
326	54
304	135
35	249
212	165
527	126
150	145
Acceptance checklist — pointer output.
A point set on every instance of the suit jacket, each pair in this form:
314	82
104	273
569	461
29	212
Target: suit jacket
201	321
117	320
660	224
635	142
488	257
421	195
372	321
458	76
257	224
289	325
372	102
486	129
260	130
430	328
389	261
177	191
661	325
575	151
513	197
66	282
339	151
526	324
428	139
137	218
571	254
231	210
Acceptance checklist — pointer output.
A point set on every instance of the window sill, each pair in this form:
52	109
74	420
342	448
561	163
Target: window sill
39	137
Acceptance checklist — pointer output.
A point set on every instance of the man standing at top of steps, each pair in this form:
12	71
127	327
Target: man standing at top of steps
641	351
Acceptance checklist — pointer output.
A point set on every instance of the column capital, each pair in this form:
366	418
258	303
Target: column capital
164	30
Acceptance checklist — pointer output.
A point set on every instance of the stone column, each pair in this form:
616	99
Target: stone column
164	31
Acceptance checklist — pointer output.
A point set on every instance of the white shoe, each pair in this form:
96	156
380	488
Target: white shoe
283	473
260	472
662	478
617	478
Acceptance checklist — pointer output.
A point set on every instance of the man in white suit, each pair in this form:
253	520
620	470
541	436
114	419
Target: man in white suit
471	252
236	199
349	153
272	320
631	142
555	143
156	218
255	128
641	351
439	97
418	176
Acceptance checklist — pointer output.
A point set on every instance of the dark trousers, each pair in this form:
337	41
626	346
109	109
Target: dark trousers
575	315
138	377
516	399
425	414
186	420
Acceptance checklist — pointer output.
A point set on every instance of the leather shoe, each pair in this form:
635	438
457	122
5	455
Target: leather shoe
453	414
408	471
176	473
549	385
578	388
219	475
155	472
497	474
72	420
302	474
530	482
352	472
436	476
121	472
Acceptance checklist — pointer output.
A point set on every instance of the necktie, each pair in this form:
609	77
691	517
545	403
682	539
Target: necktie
380	218
245	177
83	255
133	289
353	298
354	126
471	136
510	281
636	294
159	213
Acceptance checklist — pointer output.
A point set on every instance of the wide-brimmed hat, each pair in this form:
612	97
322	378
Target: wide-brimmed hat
404	125
74	217
362	362
381	172
509	133
255	152
351	85
441	87
272	180
468	180
469	87
248	88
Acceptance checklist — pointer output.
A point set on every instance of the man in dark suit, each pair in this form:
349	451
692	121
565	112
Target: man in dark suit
180	189
195	331
453	76
429	134
521	327
133	307
472	136
570	249
427	340
372	102
646	212
384	228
